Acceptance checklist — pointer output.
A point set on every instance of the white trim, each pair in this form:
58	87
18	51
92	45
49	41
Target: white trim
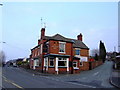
51	59
67	64
62	59
33	64
56	65
82	63
76	64
83	59
64	47
46	63
62	42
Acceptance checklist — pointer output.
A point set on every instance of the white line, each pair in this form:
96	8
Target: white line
82	85
16	85
95	73
5	79
70	82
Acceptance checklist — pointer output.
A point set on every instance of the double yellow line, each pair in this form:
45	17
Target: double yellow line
5	79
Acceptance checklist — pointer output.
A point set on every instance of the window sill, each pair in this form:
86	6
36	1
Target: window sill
62	52
62	67
75	68
51	66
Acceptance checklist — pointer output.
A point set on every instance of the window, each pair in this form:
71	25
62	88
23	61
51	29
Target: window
36	62
77	52
61	47
81	63
51	62
74	64
62	62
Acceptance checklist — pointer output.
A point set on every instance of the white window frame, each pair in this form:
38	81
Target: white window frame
46	61
36	62
82	63
62	59
51	59
75	63
64	46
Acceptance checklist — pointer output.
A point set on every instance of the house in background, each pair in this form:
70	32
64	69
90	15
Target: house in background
58	54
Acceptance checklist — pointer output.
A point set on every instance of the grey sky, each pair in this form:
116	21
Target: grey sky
21	24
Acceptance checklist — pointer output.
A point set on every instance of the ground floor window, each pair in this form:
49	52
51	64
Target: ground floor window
74	64
81	63
51	62
62	62
36	62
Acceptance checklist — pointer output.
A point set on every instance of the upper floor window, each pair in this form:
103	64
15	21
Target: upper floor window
62	47
77	52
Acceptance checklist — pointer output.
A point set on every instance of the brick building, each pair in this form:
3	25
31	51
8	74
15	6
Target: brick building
58	54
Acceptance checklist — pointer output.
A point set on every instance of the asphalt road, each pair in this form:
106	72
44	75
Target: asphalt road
18	78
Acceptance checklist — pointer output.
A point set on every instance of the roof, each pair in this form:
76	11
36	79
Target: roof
76	43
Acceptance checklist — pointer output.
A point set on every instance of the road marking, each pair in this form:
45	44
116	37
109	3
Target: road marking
17	85
33	74
95	73
70	82
82	85
81	78
5	79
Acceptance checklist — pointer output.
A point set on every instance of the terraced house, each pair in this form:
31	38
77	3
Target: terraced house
58	54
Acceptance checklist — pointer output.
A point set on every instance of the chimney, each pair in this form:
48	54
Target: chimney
42	32
79	37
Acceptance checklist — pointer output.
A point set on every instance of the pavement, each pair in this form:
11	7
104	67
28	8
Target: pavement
115	78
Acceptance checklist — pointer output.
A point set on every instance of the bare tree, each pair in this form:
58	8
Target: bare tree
2	58
94	52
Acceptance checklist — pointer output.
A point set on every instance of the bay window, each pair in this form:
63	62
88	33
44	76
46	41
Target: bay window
51	62
62	62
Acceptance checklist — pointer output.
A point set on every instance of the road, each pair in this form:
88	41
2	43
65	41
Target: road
18	78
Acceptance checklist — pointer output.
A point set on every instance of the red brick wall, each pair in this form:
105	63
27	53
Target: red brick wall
84	52
96	63
62	70
54	48
51	70
85	66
